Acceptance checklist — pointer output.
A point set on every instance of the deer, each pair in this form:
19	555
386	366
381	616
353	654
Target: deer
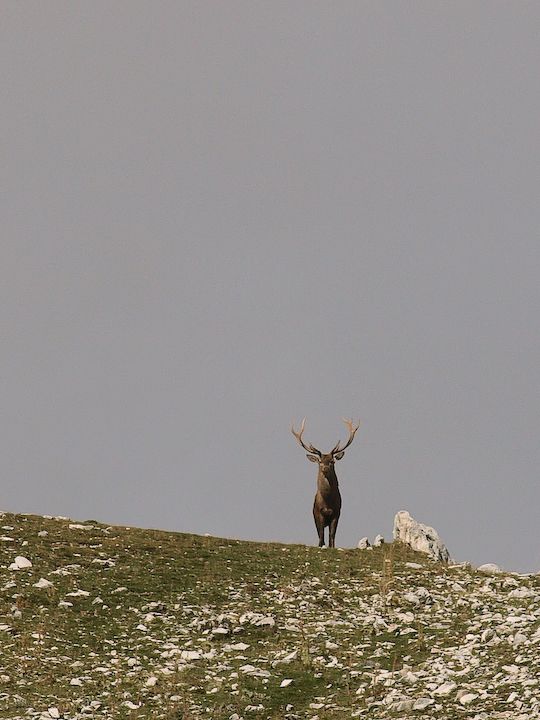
327	504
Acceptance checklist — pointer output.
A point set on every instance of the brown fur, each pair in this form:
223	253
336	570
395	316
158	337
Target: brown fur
327	503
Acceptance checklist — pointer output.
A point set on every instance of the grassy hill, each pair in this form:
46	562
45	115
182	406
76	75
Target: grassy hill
113	622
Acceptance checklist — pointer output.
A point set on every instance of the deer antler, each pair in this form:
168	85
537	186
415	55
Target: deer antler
298	435
352	431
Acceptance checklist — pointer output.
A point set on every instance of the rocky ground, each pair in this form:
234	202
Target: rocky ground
108	622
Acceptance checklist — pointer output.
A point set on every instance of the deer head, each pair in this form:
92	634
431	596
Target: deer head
326	460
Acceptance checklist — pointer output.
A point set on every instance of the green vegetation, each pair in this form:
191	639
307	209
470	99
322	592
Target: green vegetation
148	624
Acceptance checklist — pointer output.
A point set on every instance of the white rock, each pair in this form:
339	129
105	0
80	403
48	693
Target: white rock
248	669
20	563
402	706
487	635
468	698
152	680
190	655
522	592
235	646
220	631
363	543
42	583
445	689
422	596
54	712
75	681
285	683
419	537
423	703
290	657
489	569
267	621
379	540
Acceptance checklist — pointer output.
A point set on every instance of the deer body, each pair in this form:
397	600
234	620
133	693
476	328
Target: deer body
327	503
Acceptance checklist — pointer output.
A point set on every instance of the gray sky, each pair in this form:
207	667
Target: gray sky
222	216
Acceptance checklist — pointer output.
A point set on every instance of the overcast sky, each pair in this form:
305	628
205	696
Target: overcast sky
222	216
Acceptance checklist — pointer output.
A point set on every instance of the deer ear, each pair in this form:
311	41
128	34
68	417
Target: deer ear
339	455
313	458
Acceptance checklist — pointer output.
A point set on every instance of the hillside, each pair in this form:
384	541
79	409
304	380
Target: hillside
112	622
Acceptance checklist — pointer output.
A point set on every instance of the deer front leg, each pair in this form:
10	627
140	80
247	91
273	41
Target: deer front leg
319	524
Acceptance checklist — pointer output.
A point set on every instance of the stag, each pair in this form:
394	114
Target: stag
327	504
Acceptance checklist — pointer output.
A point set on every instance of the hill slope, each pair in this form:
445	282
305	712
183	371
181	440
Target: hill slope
113	622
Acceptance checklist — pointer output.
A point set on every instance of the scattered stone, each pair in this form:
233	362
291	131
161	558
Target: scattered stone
190	655
131	705
522	593
489	569
43	583
379	540
469	624
467	698
20	563
364	544
445	689
419	537
423	703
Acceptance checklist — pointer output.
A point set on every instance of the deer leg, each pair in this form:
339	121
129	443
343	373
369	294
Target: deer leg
319	524
332	532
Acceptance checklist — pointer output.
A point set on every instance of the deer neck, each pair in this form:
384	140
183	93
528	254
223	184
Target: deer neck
327	482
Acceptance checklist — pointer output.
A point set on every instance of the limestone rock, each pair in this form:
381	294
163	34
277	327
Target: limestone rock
363	543
489	569
419	537
379	540
20	563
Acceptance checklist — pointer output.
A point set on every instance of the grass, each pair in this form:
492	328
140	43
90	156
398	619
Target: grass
166	625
